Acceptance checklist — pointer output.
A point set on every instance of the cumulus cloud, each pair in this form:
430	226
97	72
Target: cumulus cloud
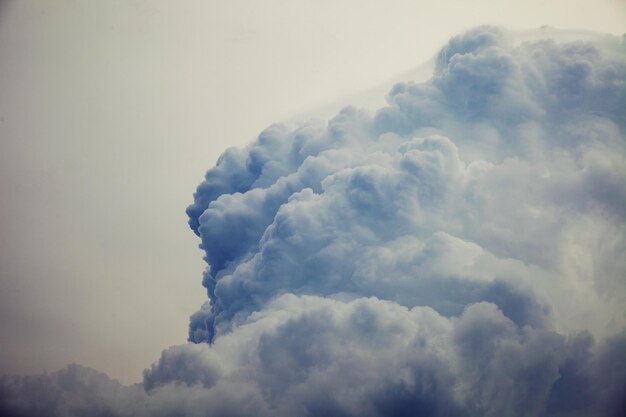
458	252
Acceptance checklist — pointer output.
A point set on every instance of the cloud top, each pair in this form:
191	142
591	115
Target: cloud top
469	187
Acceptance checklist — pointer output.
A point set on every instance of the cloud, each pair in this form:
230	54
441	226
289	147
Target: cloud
458	252
310	355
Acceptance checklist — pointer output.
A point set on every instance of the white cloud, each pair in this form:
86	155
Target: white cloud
459	252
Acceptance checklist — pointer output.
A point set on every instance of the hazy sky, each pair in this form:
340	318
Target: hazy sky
111	112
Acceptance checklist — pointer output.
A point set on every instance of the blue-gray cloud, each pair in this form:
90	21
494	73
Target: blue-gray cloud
458	252
478	178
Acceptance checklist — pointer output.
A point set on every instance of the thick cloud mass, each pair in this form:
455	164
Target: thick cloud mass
501	179
458	253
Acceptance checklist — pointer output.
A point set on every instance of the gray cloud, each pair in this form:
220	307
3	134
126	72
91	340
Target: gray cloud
527	167
312	356
458	252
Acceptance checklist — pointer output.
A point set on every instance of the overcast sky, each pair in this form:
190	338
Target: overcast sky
111	112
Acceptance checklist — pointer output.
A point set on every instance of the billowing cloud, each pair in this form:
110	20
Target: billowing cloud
458	252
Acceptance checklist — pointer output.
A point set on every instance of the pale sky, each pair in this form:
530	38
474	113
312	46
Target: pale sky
111	112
